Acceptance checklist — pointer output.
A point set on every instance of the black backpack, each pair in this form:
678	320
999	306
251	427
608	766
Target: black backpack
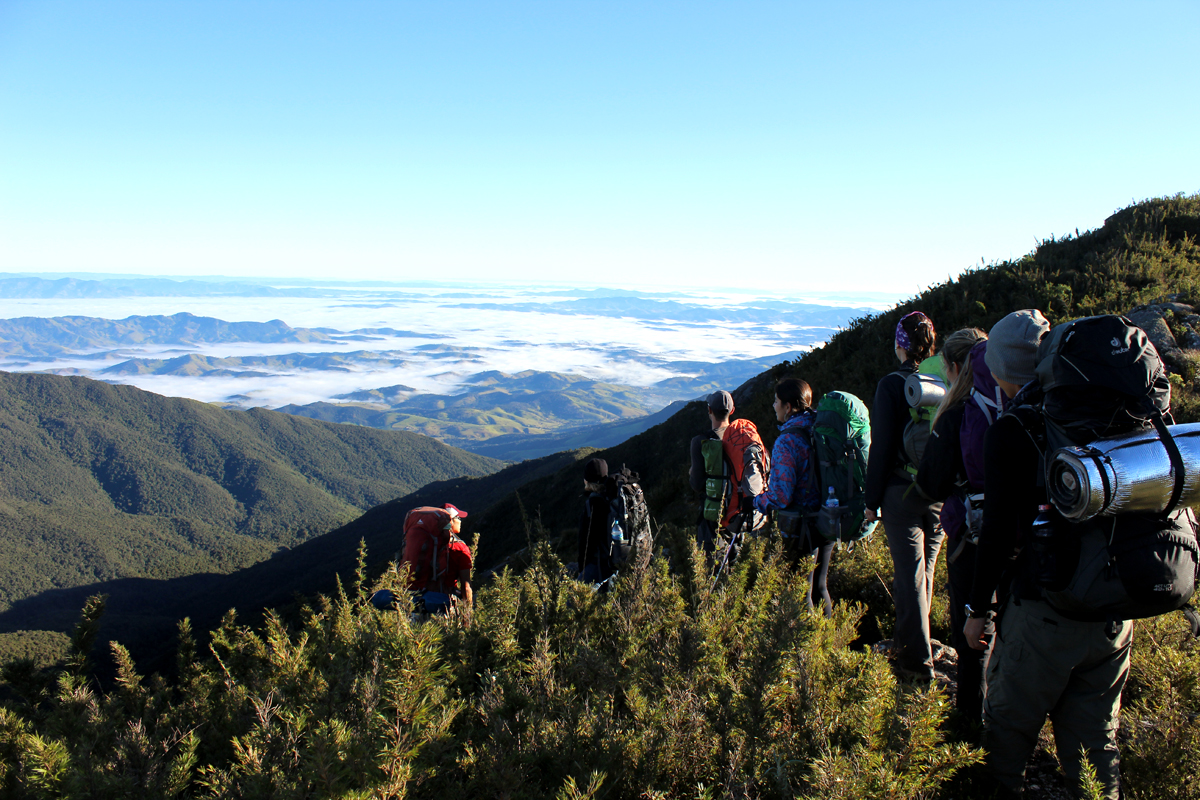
628	521
1101	377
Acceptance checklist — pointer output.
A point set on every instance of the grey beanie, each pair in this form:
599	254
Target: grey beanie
1013	344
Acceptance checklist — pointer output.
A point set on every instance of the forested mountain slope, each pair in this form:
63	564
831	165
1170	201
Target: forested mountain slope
99	482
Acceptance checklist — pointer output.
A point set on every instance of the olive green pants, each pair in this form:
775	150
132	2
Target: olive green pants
1046	665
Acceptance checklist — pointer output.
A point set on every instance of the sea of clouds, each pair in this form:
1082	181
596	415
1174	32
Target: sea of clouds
460	331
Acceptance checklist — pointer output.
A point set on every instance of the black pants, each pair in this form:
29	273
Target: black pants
796	548
961	571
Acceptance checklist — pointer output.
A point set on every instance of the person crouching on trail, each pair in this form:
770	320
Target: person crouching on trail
458	576
439	561
793	480
595	538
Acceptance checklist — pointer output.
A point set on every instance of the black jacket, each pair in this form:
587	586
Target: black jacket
1012	494
942	468
595	537
889	416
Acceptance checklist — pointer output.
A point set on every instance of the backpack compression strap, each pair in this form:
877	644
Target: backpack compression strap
1176	461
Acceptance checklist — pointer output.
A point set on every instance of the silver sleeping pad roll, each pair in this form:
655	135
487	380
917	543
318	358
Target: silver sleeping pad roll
1124	473
921	389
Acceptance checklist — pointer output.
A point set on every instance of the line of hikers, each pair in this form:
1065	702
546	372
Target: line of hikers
1046	458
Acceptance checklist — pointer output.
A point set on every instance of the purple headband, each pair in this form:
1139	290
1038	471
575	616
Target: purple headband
902	339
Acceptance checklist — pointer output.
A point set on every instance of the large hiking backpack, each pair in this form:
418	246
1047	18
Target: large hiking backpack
983	406
629	522
920	423
841	439
427	547
1101	377
736	466
986	403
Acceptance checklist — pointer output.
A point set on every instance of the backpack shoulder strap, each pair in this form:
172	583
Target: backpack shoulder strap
1032	422
808	436
987	407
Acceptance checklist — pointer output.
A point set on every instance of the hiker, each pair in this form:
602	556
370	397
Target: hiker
909	518
439	561
956	442
614	529
793	482
595	539
728	463
1043	663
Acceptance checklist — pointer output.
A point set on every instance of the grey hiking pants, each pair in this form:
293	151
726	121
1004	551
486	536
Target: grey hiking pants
1044	665
914	538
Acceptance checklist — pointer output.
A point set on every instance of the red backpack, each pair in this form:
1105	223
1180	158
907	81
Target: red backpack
749	464
427	547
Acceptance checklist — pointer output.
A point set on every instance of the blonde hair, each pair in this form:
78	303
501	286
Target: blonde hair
957	350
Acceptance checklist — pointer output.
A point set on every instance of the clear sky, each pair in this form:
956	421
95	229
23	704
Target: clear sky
791	145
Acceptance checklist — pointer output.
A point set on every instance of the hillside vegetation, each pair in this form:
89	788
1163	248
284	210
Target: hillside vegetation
101	482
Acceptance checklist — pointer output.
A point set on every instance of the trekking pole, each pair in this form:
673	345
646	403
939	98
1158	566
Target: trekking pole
725	559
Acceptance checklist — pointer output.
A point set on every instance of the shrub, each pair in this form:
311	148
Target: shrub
668	687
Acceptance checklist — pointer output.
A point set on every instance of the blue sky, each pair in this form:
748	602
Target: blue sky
792	146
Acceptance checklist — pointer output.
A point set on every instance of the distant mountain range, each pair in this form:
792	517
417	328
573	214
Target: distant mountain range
101	482
34	287
758	312
56	336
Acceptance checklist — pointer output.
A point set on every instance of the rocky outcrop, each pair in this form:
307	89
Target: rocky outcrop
1174	328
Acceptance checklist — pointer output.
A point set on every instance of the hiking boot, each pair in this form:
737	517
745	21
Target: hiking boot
922	675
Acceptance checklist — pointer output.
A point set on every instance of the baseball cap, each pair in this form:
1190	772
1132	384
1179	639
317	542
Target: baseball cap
721	401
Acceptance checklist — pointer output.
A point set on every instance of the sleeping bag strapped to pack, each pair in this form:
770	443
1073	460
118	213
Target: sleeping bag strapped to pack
736	465
1100	377
841	440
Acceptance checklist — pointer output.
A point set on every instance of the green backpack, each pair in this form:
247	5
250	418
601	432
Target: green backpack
841	439
716	483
